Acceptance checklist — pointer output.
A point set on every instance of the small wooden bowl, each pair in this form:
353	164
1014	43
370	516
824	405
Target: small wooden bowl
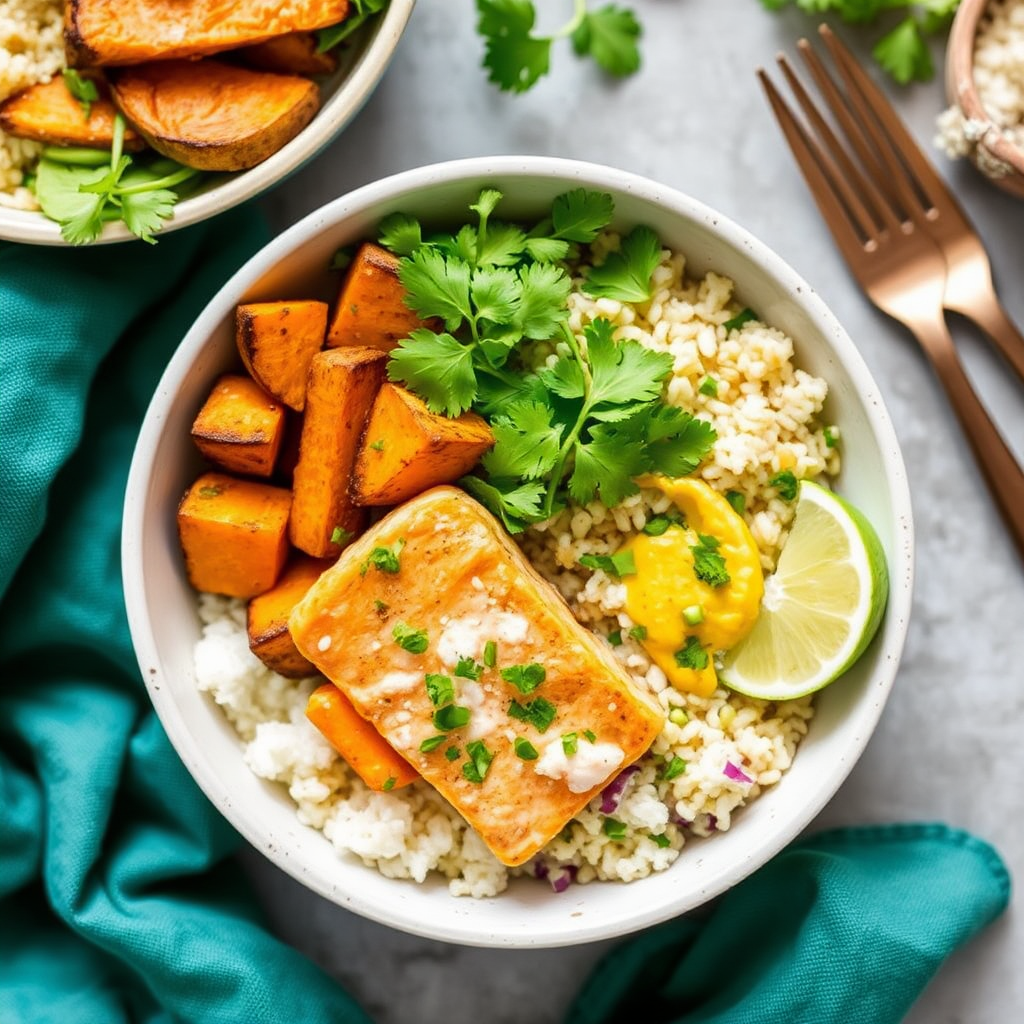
963	93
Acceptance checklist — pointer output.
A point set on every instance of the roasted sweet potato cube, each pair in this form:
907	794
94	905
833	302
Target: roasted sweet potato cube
339	395
240	426
358	742
456	584
292	54
47	112
234	534
277	342
371	309
268	613
407	449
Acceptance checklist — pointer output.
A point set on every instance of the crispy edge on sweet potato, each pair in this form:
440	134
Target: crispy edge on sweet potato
371	309
240	427
46	112
277	342
234	534
339	395
407	449
214	116
267	618
292	54
372	758
110	32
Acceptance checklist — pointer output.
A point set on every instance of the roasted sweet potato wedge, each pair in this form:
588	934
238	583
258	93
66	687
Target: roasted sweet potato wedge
342	386
99	33
211	115
407	449
291	54
234	534
267	618
48	113
277	342
371	309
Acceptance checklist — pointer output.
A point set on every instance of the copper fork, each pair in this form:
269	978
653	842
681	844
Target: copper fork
886	242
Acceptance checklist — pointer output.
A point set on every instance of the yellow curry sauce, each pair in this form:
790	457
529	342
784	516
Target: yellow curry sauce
665	583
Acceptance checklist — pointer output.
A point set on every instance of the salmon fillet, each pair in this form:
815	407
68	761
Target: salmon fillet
403	624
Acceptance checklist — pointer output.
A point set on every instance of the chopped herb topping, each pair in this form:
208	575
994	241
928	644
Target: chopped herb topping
786	484
83	89
741	318
662	841
659	524
621	563
638	633
342	258
467	668
831	436
615	638
569	743
737	500
389	784
452	753
490	654
614	829
692	655
432	743
677	716
210	492
439	689
525	678
341	536
479	763
674	769
709	386
708	564
540	713
377	446
415	641
525	749
380	606
693	615
384	559
590	736
451	717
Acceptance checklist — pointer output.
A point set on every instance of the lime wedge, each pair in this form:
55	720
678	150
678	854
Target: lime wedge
820	608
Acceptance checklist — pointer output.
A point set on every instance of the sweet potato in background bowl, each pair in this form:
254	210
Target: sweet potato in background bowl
165	624
362	64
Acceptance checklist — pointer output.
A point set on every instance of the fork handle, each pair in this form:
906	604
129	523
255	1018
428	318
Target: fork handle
993	319
998	466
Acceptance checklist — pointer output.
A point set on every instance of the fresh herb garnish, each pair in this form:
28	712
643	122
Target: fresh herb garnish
692	655
737	501
342	258
380	606
339	535
410	639
451	717
439	689
614	829
638	633
432	743
709	387
708	564
590	735
693	614
467	668
622	563
539	712
831	433
659	524
615	638
490	654
479	763
384	559
744	316
525	678
83	89
661	840
674	768
785	483
377	446
452	754
359	12
389	784
569	743
626	272
525	749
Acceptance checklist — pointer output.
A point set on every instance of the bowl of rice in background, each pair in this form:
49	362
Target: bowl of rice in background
32	50
405	858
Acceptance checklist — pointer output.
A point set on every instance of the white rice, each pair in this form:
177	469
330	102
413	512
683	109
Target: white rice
766	415
31	50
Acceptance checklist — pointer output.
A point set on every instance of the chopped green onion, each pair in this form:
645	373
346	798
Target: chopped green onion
341	535
737	500
569	743
415	641
831	436
467	668
450	717
674	769
452	753
590	735
525	678
692	655
490	654
439	689
662	841
389	784
638	633
693	614
709	387
479	763
525	749
615	638
614	829
677	716
620	564
432	743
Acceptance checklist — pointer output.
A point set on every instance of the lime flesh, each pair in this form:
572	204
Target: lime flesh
820	608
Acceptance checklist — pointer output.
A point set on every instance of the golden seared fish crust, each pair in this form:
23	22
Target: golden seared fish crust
463	582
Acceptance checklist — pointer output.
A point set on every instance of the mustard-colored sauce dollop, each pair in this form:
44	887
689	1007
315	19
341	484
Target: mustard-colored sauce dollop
665	584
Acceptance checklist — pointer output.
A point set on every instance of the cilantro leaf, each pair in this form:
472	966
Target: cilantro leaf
479	763
622	372
708	564
438	368
565	378
525	678
626	275
495	394
692	655
606	465
742	317
83	89
904	53
513	57
546	250
440	689
785	483
486	204
526	442
622	563
581	215
502	246
359	12
610	35
544	295
145	212
680	450
515	504
410	639
436	286
540	713
400	233
496	294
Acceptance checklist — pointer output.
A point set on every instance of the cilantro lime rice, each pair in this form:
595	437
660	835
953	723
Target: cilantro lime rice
713	755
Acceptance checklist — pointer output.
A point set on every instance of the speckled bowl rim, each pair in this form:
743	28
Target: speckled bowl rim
510	924
341	107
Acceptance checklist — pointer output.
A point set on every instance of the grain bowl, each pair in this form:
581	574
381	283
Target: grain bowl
166	622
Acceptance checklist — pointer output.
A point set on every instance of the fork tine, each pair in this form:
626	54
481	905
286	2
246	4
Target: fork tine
809	157
868	221
890	131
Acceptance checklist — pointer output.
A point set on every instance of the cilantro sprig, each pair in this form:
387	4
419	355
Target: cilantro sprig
360	11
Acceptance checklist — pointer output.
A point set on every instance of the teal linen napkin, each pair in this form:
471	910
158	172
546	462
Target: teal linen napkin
117	902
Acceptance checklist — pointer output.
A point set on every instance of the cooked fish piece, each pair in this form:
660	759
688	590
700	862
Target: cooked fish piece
473	668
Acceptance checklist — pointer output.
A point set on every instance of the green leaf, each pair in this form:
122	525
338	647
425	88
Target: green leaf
59	198
626	275
708	564
400	233
410	639
450	717
502	246
436	286
468	668
692	655
540	713
515	504
525	749
513	57
496	294
606	465
526	442
680	451
495	394
614	829
359	12
581	215
440	689
622	563
144	213
83	89
479	763
436	367
622	372
486	203
525	678
785	483
565	378
543	306
610	35
904	53
546	250
742	317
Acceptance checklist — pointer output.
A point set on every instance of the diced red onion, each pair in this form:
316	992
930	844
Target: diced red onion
676	819
540	870
611	795
712	823
562	877
736	774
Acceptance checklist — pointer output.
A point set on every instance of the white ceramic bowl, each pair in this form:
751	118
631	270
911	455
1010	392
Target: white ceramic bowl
343	93
162	606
